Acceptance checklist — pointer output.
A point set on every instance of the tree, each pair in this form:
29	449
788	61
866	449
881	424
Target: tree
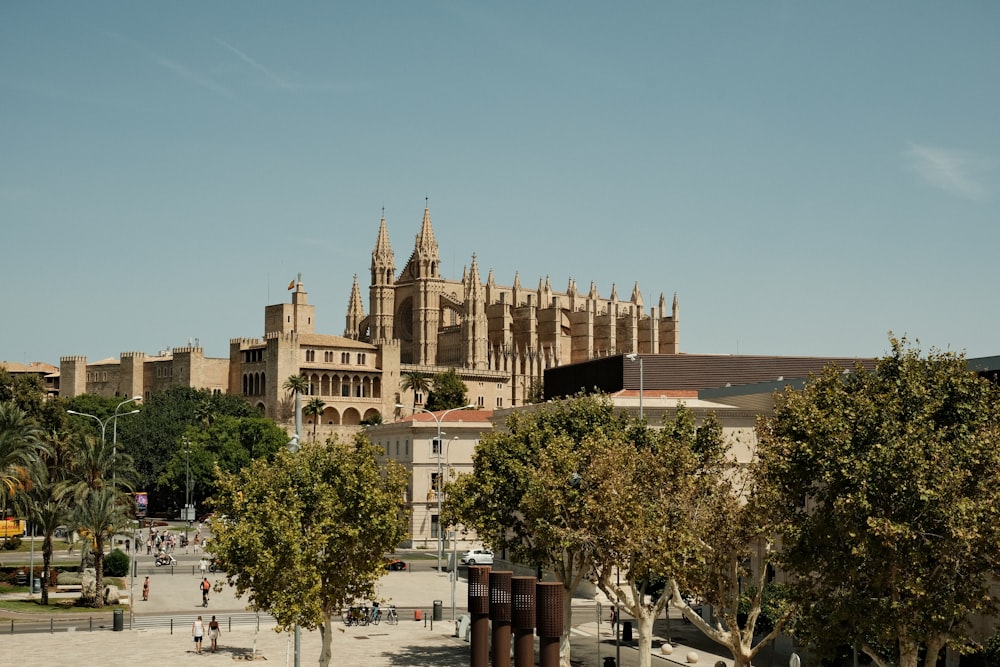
20	446
99	515
152	436
415	381
449	392
305	534
890	482
314	408
230	444
523	496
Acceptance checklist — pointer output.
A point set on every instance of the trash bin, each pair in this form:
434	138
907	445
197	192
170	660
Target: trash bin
36	585
627	631
438	610
119	620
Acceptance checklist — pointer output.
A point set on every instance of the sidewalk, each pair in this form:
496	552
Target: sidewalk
175	594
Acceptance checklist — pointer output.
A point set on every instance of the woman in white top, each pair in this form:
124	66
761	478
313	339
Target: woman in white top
198	631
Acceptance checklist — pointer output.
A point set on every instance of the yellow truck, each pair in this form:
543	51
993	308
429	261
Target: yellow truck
12	528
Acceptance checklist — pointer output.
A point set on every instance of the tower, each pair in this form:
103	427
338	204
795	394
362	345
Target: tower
381	293
427	290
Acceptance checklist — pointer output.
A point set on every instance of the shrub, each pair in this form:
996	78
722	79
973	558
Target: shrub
12	543
116	564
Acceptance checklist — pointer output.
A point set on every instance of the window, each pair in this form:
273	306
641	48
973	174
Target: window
361	359
481	401
499	401
435	447
406	448
418	397
345	390
345	357
397	448
435	526
435	482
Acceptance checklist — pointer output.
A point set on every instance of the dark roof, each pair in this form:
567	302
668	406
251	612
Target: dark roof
685	372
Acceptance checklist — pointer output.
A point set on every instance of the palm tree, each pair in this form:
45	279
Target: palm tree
100	515
20	446
45	507
417	382
298	385
314	408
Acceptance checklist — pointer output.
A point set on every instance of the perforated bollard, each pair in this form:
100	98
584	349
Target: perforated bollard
500	617
549	621
479	610
523	620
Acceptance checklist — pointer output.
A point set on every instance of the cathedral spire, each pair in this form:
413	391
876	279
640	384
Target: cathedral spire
355	312
637	296
383	260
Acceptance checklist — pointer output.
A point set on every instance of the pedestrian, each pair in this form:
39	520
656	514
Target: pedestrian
213	633
205	586
145	590
203	567
198	632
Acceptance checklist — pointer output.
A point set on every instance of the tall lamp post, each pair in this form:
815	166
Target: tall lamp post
633	358
440	446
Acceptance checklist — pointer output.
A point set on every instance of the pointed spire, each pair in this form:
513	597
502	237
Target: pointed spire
676	307
637	296
517	280
593	291
614	292
425	239
356	306
489	279
662	305
383	261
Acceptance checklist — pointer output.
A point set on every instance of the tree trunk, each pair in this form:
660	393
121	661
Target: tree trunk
907	653
46	561
645	628
326	653
99	571
564	647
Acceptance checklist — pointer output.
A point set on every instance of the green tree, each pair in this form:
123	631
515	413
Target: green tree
152	436
449	392
20	446
417	382
524	495
890	484
99	515
314	408
305	534
44	506
230	444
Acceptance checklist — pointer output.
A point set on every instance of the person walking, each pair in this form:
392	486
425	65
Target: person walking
198	632
203	567
213	633
145	590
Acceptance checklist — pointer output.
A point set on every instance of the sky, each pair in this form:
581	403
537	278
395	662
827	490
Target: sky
806	177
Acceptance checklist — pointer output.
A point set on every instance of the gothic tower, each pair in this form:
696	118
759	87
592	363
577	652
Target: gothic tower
427	289
475	335
382	293
355	314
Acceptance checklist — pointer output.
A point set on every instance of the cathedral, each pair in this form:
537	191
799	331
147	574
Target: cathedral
481	327
499	340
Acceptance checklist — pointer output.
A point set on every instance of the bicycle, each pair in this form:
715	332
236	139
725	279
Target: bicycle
376	615
390	615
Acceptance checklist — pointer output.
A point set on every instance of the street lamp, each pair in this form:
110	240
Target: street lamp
440	446
633	358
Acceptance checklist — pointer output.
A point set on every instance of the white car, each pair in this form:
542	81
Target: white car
478	557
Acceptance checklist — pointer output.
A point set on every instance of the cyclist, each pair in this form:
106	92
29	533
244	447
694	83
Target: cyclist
205	587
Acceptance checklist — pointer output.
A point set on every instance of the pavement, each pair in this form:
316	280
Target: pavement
160	631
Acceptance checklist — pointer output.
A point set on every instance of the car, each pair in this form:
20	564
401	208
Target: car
395	565
478	557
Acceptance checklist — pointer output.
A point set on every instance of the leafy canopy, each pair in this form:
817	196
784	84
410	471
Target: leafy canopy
889	486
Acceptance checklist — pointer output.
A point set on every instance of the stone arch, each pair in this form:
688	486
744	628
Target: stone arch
371	412
330	416
351	417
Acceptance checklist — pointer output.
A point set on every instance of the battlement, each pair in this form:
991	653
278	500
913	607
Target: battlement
246	342
72	359
133	355
277	335
188	350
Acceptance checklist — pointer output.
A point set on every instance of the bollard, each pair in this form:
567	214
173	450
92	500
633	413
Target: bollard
500	616
523	620
549	621
479	610
416	615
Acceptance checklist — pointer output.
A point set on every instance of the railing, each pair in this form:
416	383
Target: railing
105	622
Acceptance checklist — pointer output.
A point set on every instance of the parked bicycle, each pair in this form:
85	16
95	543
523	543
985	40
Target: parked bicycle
390	615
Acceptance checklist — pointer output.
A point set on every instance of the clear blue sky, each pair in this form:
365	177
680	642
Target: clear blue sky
805	176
